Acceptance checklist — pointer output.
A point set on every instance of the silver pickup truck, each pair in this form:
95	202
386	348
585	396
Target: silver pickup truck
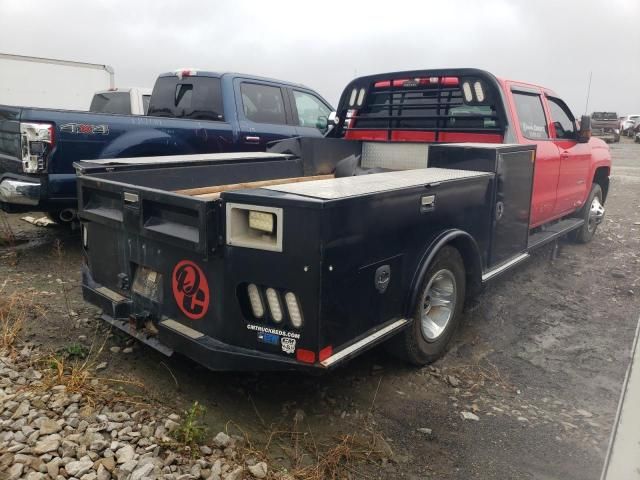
606	126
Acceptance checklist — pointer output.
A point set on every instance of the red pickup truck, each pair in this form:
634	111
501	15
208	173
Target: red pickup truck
430	184
468	105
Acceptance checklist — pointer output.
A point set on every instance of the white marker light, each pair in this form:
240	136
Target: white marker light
256	301
261	221
466	89
85	236
294	309
479	92
274	305
352	99
361	97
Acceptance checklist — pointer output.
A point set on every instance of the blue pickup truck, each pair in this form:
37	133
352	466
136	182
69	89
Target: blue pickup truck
189	112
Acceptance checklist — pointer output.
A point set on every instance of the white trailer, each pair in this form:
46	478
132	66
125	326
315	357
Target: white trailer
50	83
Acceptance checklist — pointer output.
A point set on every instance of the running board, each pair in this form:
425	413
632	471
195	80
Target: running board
488	275
367	341
553	232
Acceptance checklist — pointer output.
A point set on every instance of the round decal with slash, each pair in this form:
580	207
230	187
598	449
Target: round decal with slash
190	289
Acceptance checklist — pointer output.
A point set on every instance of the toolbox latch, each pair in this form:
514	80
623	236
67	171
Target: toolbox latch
427	203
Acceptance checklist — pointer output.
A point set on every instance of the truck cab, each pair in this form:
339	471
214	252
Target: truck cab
470	105
189	112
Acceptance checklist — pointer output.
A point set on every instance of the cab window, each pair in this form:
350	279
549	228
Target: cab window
533	123
562	119
263	103
311	111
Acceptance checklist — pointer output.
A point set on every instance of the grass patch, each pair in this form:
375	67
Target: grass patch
75	350
74	366
192	432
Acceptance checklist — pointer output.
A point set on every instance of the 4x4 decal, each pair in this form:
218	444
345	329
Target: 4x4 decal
85	128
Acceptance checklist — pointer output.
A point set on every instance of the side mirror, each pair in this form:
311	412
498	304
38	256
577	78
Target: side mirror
333	118
584	134
322	123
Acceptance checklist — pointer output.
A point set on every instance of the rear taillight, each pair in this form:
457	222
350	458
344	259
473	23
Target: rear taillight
349	118
37	140
274	301
295	315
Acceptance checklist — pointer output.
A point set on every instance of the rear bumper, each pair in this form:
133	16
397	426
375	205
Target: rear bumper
19	192
175	337
47	193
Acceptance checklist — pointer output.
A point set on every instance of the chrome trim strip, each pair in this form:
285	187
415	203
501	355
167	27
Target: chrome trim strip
180	328
363	342
492	273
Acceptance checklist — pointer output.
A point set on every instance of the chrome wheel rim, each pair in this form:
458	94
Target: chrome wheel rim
438	303
596	214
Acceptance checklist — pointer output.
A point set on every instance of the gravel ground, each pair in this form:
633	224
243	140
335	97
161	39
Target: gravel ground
528	391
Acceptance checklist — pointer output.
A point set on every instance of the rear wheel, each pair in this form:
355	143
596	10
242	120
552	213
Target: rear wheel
592	213
438	311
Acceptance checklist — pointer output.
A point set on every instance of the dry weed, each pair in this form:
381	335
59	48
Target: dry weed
15	308
78	374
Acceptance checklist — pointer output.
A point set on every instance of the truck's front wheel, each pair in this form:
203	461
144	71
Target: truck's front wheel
592	212
438	310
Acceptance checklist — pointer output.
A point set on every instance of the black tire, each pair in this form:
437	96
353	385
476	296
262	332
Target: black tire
585	233
412	345
54	217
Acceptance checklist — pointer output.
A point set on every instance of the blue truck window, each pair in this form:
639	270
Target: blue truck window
311	111
262	103
190	97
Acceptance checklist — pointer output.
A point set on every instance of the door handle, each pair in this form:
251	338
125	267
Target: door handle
564	155
252	138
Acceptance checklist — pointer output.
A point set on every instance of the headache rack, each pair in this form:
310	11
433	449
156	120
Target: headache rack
425	101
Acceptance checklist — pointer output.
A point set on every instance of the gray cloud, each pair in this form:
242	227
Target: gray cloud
324	45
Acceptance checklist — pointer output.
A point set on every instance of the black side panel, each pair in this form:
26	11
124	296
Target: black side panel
514	167
513	204
362	234
204	174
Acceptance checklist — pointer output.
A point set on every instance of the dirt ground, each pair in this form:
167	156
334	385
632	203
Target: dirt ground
540	360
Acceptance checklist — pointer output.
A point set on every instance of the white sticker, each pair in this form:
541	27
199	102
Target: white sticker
288	344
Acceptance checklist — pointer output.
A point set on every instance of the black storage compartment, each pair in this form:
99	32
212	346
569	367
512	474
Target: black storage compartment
513	166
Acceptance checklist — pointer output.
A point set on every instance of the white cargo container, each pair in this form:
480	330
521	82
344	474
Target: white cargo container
50	83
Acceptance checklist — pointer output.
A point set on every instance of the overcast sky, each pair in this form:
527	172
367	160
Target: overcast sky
325	44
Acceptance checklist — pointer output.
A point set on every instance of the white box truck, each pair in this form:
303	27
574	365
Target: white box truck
51	83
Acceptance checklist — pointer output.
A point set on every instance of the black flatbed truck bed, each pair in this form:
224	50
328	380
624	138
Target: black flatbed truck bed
194	257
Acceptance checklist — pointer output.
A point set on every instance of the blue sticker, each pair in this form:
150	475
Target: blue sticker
269	338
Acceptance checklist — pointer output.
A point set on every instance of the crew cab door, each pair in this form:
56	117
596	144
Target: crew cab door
311	113
532	126
264	113
574	157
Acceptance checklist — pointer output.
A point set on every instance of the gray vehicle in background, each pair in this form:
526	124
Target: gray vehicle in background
606	126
